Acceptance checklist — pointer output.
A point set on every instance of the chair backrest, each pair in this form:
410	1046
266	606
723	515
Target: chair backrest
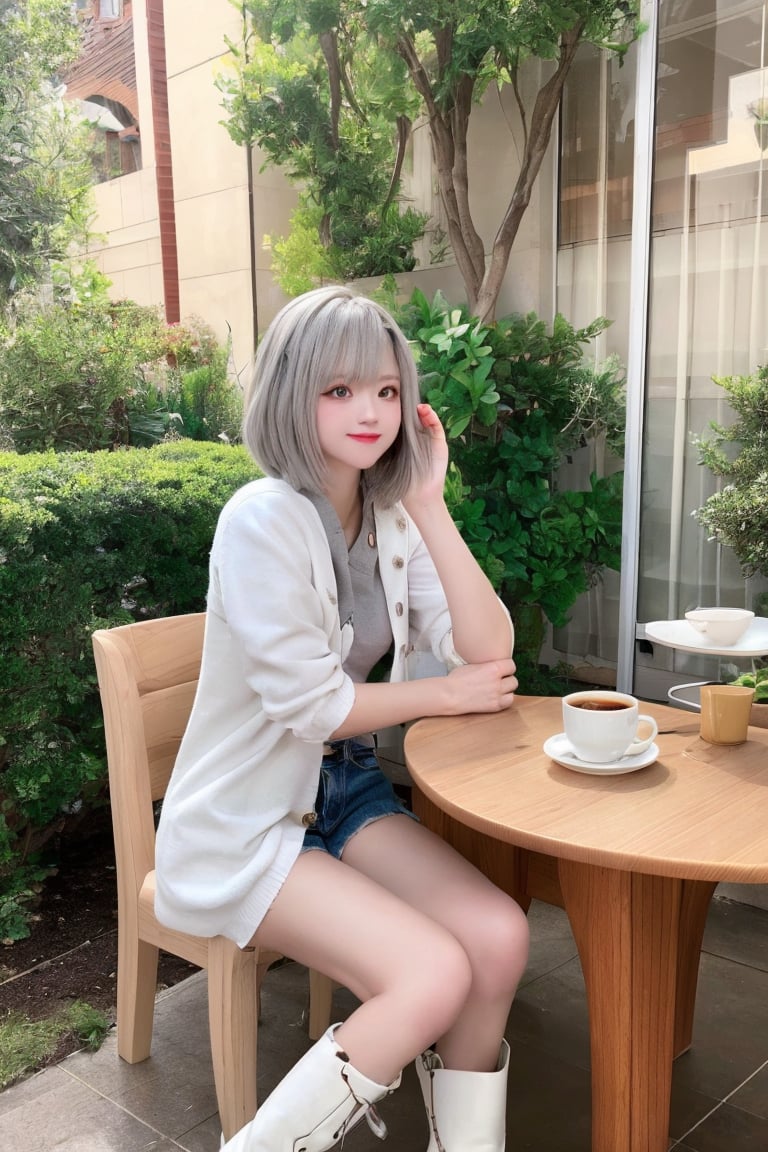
148	675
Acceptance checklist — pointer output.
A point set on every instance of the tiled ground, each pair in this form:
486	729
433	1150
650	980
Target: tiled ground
97	1103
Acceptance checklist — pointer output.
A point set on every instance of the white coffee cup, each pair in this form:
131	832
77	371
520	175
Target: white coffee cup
601	726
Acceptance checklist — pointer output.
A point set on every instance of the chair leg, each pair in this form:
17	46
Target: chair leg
233	1023
266	959
136	988
320	996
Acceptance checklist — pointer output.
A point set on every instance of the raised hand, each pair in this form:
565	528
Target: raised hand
430	490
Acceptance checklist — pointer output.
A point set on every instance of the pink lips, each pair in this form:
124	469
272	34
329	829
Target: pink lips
370	438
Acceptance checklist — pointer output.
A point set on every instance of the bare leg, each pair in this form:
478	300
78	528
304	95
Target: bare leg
411	974
492	929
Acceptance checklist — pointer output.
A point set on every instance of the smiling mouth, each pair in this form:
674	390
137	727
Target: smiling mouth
365	438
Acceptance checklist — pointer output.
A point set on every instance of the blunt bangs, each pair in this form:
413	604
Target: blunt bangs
329	334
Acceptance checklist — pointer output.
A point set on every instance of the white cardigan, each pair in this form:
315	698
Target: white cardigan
272	689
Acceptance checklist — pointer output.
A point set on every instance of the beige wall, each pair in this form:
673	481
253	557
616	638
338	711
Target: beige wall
212	196
211	177
126	241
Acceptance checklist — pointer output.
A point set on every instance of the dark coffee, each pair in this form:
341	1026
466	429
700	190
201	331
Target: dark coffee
595	704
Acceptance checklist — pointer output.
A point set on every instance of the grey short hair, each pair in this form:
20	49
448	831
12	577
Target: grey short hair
328	334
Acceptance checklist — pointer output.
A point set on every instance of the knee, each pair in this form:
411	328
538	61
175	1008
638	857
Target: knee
445	979
497	943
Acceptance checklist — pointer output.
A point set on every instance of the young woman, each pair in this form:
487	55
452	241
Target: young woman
278	827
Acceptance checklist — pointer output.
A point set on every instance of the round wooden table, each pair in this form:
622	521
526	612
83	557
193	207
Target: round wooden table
633	858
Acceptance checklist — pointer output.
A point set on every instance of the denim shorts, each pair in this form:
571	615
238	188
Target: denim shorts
353	791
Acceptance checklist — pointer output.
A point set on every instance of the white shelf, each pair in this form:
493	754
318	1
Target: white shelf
683	636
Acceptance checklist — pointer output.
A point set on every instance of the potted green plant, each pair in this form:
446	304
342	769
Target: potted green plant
516	399
758	110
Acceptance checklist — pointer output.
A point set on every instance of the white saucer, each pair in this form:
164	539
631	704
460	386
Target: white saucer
558	748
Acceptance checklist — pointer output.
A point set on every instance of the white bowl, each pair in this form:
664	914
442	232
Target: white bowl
723	626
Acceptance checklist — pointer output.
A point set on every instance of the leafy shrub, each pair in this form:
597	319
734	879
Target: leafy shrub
85	373
71	375
361	244
203	404
87	540
299	260
516	400
191	344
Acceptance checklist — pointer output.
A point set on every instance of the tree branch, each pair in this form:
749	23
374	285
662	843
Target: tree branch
351	98
330	49
514	77
403	136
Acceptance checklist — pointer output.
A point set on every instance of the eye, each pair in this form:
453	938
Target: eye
339	391
388	392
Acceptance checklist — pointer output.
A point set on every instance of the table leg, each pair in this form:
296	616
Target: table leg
626	930
696	898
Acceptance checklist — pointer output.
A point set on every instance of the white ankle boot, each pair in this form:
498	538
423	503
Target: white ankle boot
467	1111
315	1105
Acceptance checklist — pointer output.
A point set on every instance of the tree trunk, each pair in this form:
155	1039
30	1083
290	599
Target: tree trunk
544	111
448	135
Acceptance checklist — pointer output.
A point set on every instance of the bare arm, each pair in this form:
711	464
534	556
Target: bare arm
481	631
487	687
480	627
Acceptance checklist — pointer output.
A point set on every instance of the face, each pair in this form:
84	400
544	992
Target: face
357	423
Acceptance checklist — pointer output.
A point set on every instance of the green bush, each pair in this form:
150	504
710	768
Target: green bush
361	244
84	373
87	540
71	375
203	403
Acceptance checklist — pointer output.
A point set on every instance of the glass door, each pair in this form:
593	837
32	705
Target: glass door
706	281
707	301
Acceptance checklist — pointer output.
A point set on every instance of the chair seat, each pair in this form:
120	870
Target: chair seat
191	948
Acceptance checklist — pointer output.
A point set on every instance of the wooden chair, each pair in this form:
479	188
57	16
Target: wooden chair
148	674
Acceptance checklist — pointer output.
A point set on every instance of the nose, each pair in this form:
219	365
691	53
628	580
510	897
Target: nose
366	412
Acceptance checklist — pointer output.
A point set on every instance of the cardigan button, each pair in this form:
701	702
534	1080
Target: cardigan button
399	609
400	522
309	819
398	561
